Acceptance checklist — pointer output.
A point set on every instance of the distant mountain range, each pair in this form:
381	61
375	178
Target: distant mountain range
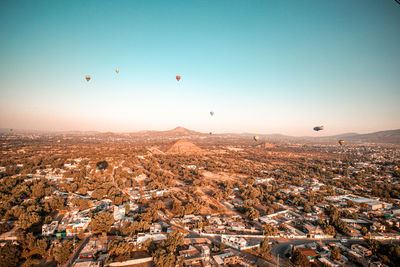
176	132
389	137
383	137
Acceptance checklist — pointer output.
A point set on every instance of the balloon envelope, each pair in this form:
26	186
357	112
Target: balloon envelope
117	70
256	138
87	78
212	113
341	142
318	128
178	77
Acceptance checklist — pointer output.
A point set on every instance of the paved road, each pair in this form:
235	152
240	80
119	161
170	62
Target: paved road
77	251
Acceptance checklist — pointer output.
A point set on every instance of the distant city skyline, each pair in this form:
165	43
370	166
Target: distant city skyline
262	66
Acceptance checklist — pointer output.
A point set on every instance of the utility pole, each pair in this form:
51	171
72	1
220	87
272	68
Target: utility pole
278	261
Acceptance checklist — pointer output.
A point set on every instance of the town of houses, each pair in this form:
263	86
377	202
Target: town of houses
234	236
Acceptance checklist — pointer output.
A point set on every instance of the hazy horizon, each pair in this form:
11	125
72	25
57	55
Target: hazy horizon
263	67
161	130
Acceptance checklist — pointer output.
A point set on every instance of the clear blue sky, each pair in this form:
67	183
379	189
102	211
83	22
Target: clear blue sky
262	66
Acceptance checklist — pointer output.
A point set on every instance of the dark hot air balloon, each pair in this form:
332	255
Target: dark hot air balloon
318	128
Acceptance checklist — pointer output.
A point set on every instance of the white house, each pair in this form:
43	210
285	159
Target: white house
233	241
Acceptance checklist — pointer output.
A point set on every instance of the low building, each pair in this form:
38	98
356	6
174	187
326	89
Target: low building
226	259
355	257
90	263
94	246
309	253
312	230
195	256
119	212
155	228
363	251
327	262
76	227
234	242
143	237
49	229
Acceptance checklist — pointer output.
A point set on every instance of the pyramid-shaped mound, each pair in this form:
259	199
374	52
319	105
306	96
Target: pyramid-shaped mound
184	147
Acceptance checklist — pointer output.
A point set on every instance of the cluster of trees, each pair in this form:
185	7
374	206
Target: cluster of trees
270	230
386	190
164	255
327	228
264	248
179	210
63	251
389	254
23	201
132	228
102	222
28	252
299	259
120	250
334	220
102	188
335	253
81	203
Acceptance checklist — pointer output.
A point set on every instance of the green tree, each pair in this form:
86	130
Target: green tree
10	255
265	248
350	203
364	207
252	213
177	208
270	230
63	251
102	223
27	220
174	240
163	259
38	190
299	259
364	230
335	253
373	245
330	230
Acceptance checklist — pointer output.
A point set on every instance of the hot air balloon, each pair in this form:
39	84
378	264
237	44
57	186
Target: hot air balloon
178	77
87	78
341	142
117	70
256	138
210	133
318	128
212	113
102	165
